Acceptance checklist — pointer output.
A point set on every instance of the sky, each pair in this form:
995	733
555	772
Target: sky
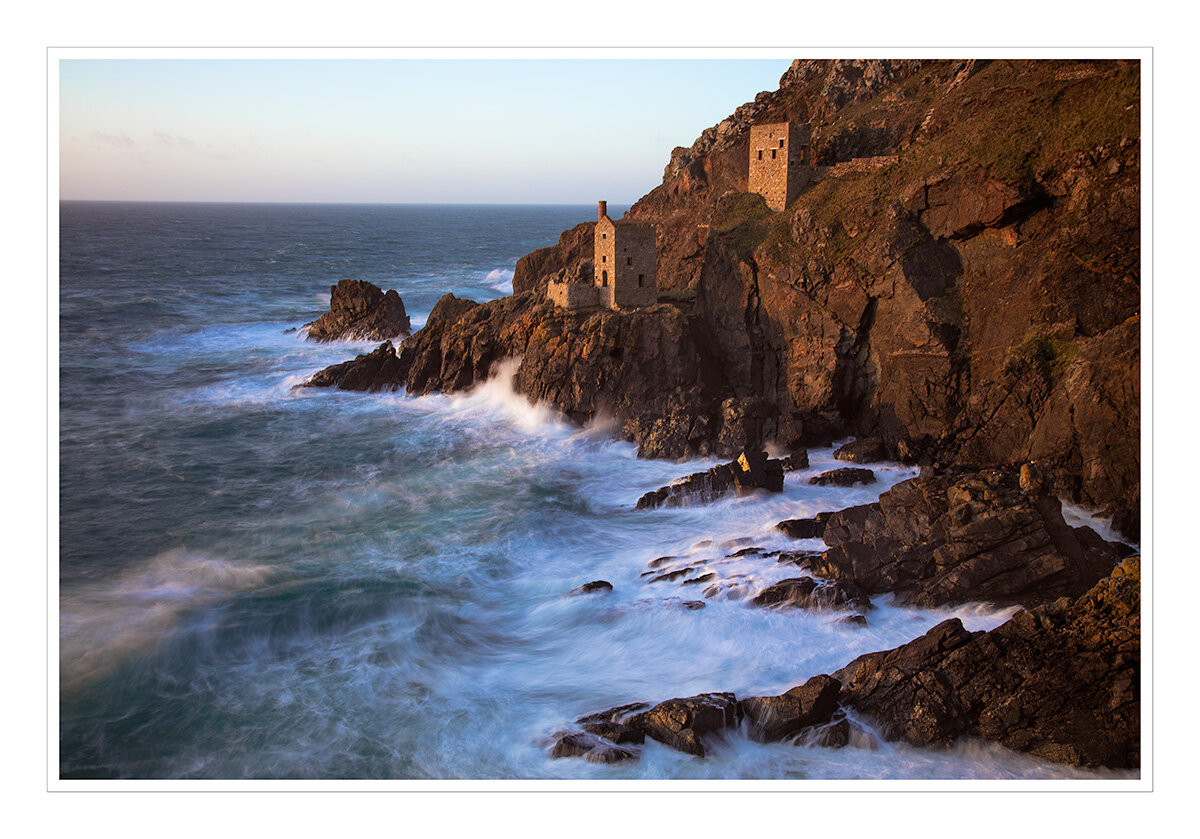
387	130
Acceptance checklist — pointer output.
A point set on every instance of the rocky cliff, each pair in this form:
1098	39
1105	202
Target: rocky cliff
962	281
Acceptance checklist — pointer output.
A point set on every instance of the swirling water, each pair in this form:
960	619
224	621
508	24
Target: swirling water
258	582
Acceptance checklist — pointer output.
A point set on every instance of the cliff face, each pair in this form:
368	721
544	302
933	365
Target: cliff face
970	294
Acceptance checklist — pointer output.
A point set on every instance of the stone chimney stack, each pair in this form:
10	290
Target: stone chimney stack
603	211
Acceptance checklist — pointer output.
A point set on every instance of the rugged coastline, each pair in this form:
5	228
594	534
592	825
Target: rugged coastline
968	303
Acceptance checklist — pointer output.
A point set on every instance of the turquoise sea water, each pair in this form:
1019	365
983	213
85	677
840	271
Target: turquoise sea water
257	582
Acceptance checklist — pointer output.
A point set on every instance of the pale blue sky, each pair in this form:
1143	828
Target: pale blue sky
399	130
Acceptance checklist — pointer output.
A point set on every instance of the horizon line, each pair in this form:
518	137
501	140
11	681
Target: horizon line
346	203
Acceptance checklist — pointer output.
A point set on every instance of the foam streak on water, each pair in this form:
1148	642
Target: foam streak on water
261	582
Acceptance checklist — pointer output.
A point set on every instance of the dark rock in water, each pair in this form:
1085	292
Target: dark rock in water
835	735
603	586
671	575
682	723
692	604
846	477
807	593
615	732
940	539
746	552
1060	682
751	471
591	748
813	528
870	450
359	310
857	621
777	717
796	460
377	370
801	558
662	560
617	714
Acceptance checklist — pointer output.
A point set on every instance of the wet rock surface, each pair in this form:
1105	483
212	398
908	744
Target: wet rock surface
1061	681
807	593
870	450
775	718
846	477
359	310
813	528
683	723
379	370
594	587
751	471
940	539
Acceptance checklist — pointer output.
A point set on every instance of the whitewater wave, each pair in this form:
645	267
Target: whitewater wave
102	624
500	279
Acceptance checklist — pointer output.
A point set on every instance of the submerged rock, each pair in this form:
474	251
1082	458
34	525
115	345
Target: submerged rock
359	310
940	539
751	471
846	477
594	587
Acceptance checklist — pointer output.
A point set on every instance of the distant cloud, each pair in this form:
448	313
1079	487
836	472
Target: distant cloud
124	141
173	141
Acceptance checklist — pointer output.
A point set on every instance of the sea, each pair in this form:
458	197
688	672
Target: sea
262	582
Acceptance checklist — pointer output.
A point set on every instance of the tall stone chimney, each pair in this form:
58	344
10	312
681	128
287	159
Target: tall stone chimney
603	211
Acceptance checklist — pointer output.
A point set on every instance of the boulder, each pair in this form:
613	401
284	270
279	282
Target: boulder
796	460
869	450
591	748
775	718
807	593
683	723
844	477
752	470
813	528
964	536
359	310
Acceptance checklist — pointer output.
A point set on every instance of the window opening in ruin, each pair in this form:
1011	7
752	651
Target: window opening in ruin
781	144
629	260
604	277
772	154
760	154
641	280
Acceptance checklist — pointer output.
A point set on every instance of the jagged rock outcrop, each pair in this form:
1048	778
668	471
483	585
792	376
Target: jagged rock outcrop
564	260
1061	682
752	470
774	718
846	477
377	370
974	301
683	723
360	311
813	528
940	539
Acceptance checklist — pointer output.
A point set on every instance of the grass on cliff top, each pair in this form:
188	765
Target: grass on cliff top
744	221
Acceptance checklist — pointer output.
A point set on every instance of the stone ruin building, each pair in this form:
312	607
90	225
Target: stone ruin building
623	273
780	161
